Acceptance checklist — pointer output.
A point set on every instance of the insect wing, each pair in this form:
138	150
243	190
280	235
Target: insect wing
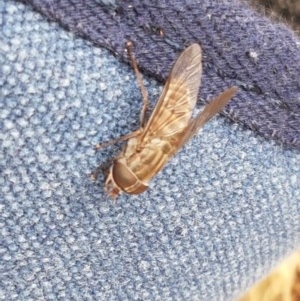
174	107
210	110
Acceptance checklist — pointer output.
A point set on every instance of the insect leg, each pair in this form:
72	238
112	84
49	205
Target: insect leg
104	168
140	83
123	138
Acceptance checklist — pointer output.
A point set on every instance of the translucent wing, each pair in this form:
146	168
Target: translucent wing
210	110
174	107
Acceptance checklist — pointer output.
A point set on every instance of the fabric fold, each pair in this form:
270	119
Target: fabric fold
240	48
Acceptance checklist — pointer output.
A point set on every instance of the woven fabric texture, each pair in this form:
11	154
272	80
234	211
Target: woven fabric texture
221	214
240	48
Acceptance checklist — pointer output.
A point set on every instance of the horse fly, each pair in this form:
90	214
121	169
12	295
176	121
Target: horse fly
169	127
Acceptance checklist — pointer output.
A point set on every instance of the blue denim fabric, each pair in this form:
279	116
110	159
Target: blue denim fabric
221	214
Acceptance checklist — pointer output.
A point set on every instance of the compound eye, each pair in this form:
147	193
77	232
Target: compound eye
122	175
126	179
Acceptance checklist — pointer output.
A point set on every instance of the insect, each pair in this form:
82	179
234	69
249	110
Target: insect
169	127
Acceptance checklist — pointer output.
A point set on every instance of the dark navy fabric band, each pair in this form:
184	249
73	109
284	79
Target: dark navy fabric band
240	48
223	212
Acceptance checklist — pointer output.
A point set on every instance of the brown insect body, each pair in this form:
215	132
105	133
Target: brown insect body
168	128
132	170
